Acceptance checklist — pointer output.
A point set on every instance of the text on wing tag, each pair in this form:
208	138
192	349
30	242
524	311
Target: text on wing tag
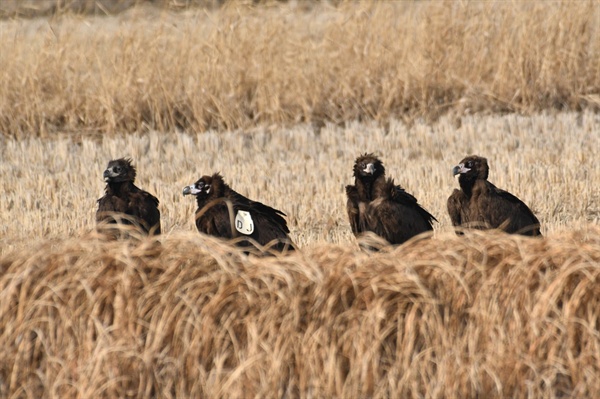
244	223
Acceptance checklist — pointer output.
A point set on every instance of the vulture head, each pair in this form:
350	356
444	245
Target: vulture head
201	189
471	168
119	170
368	167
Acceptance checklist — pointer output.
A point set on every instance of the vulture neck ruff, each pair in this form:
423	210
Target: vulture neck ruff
382	188
466	183
119	188
369	187
365	189
218	189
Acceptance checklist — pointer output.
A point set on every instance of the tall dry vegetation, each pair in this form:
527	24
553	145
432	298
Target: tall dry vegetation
241	66
484	315
40	8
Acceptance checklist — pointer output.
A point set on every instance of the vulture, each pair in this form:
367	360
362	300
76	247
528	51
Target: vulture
123	202
222	212
480	204
377	205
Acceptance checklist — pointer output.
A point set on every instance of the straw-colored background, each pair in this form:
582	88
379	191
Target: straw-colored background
242	66
281	98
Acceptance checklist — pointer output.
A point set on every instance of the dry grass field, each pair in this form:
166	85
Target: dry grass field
50	186
485	315
281	98
241	66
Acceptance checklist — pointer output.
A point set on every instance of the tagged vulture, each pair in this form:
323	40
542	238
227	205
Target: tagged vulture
134	205
222	212
480	204
376	204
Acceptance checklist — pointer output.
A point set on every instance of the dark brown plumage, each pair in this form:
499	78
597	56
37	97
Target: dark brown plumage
134	205
247	219
480	204
376	204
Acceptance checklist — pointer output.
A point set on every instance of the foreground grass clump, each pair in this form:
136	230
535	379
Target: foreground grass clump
487	314
240	66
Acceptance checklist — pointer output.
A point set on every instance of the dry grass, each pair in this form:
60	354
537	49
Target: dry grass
242	66
485	315
55	8
50	187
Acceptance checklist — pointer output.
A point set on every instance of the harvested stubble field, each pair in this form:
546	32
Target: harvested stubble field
483	315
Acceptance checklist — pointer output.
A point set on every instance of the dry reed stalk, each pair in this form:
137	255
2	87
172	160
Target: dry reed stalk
486	314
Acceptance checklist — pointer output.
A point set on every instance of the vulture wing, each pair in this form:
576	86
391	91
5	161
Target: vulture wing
400	196
213	219
108	205
352	208
145	207
399	217
504	210
266	226
250	219
140	205
268	215
456	207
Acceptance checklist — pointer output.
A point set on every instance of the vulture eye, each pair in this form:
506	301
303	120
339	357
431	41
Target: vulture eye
117	169
469	164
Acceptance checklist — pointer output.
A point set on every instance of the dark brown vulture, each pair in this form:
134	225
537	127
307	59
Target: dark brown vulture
480	204
376	204
222	212
136	206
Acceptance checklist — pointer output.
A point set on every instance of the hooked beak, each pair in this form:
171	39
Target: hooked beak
370	169
106	175
187	190
460	168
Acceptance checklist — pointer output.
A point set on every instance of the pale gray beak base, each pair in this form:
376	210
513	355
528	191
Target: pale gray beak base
108	174
460	168
190	190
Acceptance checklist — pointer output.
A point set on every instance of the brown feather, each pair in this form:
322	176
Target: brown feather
218	209
124	202
375	204
479	204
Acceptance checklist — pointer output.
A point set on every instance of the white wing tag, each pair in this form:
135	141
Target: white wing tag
244	223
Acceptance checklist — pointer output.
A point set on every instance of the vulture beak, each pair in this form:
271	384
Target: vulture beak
106	175
370	169
190	190
460	168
